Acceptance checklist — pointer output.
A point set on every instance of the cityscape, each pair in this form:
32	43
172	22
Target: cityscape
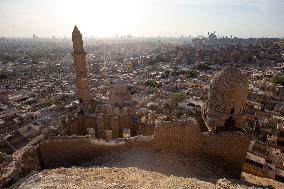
132	110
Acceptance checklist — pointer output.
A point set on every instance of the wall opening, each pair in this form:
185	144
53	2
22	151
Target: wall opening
279	178
229	124
108	134
91	131
126	133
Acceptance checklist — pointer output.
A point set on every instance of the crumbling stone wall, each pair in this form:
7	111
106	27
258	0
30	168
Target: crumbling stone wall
226	149
100	129
89	121
67	151
145	130
76	126
100	123
126	121
180	137
23	162
115	127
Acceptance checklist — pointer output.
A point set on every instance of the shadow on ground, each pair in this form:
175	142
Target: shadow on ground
165	163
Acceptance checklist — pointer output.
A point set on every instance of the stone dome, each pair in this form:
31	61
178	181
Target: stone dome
120	95
227	95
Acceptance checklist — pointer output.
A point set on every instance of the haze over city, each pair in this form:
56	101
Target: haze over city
128	94
242	18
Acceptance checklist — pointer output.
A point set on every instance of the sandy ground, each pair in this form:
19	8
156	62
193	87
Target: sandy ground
142	169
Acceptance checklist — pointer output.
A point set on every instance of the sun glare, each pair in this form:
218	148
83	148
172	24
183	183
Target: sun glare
104	18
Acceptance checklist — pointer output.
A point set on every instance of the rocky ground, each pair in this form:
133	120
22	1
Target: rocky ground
141	169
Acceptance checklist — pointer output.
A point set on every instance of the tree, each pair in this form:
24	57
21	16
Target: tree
3	74
278	79
152	83
191	74
271	126
177	97
202	67
166	74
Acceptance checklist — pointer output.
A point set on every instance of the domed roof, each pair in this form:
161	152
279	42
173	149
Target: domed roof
227	96
229	78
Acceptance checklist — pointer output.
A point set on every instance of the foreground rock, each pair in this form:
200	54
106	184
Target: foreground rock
132	177
146	169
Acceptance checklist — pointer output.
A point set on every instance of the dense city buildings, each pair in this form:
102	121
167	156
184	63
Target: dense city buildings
209	96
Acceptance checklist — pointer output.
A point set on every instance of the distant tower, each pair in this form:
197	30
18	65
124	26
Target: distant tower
82	79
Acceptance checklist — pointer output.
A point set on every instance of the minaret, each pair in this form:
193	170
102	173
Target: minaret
82	79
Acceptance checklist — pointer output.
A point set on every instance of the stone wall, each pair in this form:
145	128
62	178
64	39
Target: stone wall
145	131
226	150
180	137
67	151
23	162
116	123
89	121
76	126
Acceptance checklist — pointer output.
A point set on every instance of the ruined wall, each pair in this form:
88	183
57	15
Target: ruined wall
125	121
145	131
89	121
107	121
115	127
68	151
226	150
76	126
101	123
23	162
180	137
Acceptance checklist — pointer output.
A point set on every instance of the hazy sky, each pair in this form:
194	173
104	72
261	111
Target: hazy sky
241	18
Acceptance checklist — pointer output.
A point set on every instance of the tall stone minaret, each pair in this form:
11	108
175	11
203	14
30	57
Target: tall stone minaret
82	79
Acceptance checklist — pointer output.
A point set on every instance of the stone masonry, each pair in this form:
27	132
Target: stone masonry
82	79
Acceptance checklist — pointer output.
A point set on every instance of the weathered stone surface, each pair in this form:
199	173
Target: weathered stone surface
226	150
226	99
82	79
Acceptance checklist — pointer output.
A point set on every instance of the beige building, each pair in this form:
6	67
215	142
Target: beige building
274	164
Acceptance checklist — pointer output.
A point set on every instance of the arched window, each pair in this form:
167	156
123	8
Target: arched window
232	111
